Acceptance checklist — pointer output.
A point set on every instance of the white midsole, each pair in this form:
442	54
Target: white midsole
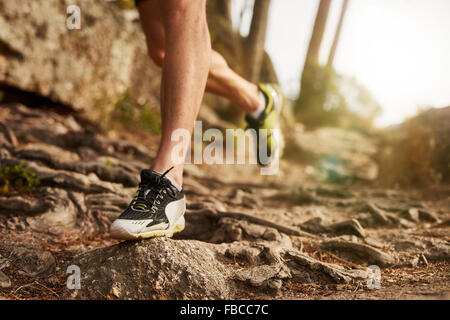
119	231
179	224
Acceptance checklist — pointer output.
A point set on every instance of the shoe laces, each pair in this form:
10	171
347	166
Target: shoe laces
150	193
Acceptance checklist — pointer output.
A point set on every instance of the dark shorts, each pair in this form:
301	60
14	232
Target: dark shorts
136	2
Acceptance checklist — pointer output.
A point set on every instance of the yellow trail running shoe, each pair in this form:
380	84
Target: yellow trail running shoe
269	120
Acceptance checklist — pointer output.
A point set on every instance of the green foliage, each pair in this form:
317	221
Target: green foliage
128	114
126	4
330	99
17	178
108	162
149	118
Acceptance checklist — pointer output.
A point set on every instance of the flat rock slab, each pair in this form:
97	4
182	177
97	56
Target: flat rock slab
157	268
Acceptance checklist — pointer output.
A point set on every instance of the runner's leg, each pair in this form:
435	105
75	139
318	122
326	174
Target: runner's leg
187	60
222	80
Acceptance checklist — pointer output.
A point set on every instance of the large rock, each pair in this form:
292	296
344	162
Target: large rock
155	269
82	68
163	268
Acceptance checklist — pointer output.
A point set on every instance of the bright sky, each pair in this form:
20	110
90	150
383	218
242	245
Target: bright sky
398	49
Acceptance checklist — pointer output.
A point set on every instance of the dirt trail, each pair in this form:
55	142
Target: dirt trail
251	236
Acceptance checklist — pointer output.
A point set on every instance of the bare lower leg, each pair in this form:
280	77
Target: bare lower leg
186	64
222	80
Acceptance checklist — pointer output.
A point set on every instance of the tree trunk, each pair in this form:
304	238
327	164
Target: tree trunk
225	7
338	34
256	39
313	82
312	57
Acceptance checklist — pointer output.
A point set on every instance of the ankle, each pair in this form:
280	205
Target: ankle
253	99
245	94
261	107
176	180
175	175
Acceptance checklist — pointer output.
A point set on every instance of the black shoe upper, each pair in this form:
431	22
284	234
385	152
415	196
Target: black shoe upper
154	193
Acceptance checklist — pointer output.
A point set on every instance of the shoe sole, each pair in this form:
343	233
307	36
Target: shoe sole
123	234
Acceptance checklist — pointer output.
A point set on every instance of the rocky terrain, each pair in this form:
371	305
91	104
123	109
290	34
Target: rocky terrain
309	232
248	237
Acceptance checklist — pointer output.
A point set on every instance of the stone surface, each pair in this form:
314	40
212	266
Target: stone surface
261	275
347	227
46	153
5	281
32	261
18	205
188	269
7	137
336	273
103	59
359	253
61	217
155	269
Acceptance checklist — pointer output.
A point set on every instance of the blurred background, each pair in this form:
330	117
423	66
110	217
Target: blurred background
367	81
396	49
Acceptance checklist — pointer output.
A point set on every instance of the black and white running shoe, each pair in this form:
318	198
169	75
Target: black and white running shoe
157	210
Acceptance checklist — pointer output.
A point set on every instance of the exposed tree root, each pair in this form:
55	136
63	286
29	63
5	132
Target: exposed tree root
240	215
